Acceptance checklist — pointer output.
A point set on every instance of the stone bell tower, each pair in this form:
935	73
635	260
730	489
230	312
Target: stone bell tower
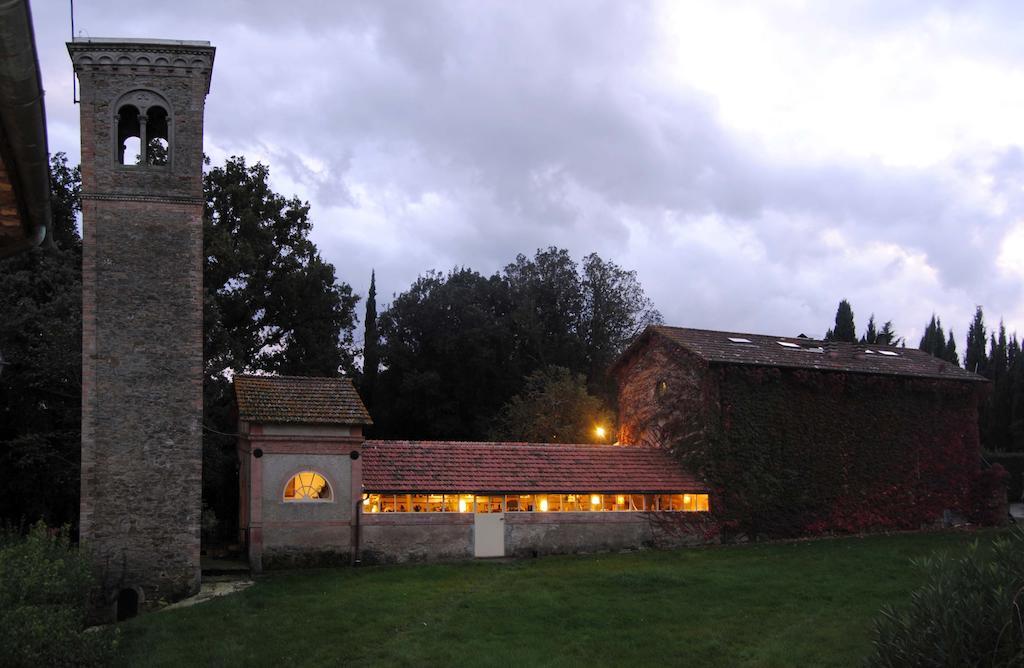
142	107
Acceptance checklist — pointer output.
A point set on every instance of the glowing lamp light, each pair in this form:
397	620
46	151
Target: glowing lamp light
595	500
686	498
600	432
462	505
543	505
620	500
374	509
366	500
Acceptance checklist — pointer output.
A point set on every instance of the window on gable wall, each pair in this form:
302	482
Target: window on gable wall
307	486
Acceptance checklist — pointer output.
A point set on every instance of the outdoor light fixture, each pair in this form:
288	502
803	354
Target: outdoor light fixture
595	500
600	432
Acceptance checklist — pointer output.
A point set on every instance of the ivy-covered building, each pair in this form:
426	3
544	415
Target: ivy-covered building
761	435
802	436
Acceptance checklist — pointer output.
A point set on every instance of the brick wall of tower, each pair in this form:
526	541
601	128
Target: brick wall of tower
142	325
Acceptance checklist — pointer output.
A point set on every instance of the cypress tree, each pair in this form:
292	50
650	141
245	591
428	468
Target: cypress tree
949	354
371	344
871	333
844	329
975	358
934	340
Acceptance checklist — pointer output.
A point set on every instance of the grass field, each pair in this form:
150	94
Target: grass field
808	603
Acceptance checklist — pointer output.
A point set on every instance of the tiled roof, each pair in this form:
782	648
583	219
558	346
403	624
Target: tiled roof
762	350
449	466
299	399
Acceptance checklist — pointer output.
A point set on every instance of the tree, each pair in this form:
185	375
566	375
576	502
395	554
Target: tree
447	355
371	345
974	354
844	329
271	304
456	347
933	341
548	301
950	352
615	311
554	406
40	386
871	333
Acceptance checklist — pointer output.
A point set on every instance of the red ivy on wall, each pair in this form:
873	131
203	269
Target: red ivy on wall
797	452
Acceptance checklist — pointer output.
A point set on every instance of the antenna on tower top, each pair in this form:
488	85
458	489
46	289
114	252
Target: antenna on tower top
74	79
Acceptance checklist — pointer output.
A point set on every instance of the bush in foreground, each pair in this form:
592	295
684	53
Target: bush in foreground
970	613
44	596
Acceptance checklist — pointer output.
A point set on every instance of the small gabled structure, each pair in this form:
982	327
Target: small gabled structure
299	446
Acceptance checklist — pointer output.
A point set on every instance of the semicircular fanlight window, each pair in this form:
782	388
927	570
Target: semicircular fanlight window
307	486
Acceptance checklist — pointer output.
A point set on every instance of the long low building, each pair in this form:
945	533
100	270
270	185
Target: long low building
314	491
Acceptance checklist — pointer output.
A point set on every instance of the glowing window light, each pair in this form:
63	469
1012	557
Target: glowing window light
595	499
686	499
307	486
600	431
462	505
544	505
620	500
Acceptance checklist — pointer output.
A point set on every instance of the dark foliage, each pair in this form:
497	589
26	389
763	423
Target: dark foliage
832	465
844	329
456	347
40	386
371	347
45	585
934	342
970	613
554	406
271	304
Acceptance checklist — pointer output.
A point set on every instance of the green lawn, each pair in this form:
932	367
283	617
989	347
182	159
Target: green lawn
809	603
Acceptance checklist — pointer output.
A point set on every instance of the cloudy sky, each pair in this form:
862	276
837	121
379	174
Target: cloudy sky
754	162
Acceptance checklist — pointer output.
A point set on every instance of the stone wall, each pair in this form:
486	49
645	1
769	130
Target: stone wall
664	390
402	537
306	533
142	327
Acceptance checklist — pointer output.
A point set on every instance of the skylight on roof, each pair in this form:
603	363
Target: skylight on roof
889	353
787	344
870	352
739	339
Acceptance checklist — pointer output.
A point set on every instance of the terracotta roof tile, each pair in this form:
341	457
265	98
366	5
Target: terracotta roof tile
450	466
763	350
299	399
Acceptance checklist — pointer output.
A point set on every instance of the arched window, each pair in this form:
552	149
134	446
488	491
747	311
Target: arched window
307	486
143	129
129	132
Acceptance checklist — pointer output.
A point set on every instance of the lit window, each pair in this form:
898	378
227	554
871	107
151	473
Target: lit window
451	503
419	503
466	503
371	503
435	503
636	501
489	504
570	502
307	486
702	503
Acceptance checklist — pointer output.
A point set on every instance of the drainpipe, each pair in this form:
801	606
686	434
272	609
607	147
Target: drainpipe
355	537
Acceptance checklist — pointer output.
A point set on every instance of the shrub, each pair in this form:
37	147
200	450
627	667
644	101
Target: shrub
970	613
45	585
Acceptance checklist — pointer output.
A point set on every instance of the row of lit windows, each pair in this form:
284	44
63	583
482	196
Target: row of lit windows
469	503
